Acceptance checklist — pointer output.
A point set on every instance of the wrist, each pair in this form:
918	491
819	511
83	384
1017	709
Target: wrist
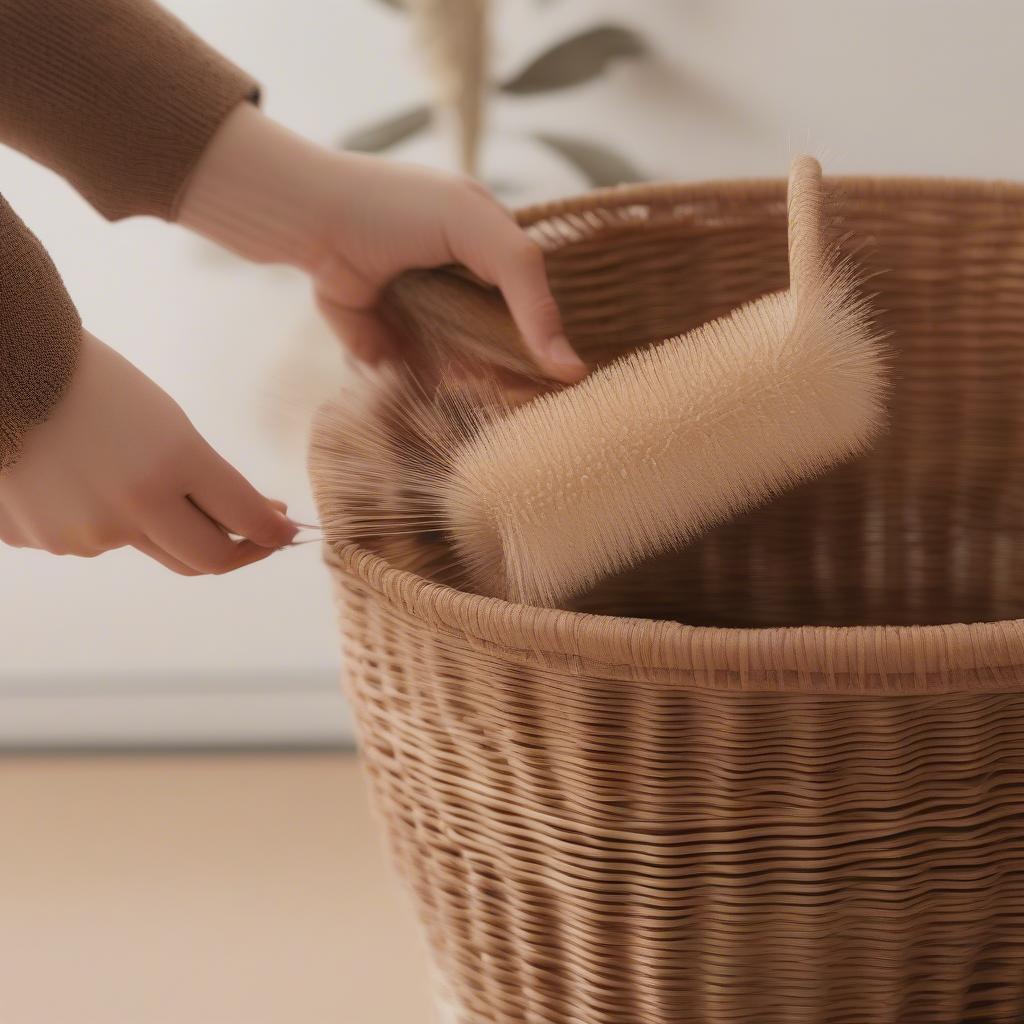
260	190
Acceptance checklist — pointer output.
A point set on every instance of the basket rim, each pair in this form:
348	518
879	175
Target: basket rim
879	659
883	186
940	658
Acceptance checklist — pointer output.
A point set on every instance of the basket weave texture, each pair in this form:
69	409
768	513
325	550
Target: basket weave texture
805	805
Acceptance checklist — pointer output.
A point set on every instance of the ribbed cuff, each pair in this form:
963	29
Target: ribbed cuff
40	333
118	96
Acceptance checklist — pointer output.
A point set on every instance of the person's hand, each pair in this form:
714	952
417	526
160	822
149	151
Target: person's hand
119	464
354	222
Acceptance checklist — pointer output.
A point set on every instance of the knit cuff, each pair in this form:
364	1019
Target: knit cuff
118	96
40	333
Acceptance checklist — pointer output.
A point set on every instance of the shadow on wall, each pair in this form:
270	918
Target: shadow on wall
452	38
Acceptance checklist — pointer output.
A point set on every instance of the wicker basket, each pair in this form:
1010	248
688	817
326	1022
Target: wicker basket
806	804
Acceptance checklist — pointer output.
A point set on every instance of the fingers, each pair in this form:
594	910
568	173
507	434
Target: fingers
523	281
229	499
190	537
346	300
360	330
147	547
485	237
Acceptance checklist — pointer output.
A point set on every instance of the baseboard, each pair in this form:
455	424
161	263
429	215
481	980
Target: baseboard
160	711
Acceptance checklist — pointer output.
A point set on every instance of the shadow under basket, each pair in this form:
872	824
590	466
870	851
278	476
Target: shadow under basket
775	779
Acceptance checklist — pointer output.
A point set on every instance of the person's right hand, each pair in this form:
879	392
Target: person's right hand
119	464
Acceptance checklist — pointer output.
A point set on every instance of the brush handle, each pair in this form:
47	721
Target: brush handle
808	260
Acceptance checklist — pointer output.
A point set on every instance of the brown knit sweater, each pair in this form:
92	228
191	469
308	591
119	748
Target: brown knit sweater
120	98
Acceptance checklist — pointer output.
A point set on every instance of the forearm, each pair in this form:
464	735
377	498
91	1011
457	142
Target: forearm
39	335
118	96
260	190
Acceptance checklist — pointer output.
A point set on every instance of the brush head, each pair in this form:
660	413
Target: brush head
540	501
654	449
651	451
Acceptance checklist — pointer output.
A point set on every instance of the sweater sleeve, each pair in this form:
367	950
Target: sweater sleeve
117	96
39	335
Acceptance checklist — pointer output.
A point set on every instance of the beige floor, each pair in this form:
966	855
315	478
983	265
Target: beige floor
180	889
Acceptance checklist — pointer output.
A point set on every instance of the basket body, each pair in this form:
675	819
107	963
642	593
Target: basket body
805	805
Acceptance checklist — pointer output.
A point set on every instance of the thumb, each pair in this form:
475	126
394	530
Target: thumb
229	499
523	281
484	236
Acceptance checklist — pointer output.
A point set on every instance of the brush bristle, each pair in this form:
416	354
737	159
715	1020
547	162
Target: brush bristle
378	455
651	451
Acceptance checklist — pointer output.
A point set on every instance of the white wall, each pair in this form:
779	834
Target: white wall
737	87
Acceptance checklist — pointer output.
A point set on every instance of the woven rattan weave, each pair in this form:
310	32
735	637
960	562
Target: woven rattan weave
775	779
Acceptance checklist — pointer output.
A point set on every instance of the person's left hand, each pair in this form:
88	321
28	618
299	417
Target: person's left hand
354	222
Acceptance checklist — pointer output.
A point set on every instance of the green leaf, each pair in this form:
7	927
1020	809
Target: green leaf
387	133
576	60
600	165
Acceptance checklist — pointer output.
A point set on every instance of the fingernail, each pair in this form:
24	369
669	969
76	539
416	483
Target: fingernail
292	527
561	353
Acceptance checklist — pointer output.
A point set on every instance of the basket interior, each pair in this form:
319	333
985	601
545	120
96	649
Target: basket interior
927	527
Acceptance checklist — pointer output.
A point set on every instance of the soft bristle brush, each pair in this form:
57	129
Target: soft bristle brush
541	501
652	450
